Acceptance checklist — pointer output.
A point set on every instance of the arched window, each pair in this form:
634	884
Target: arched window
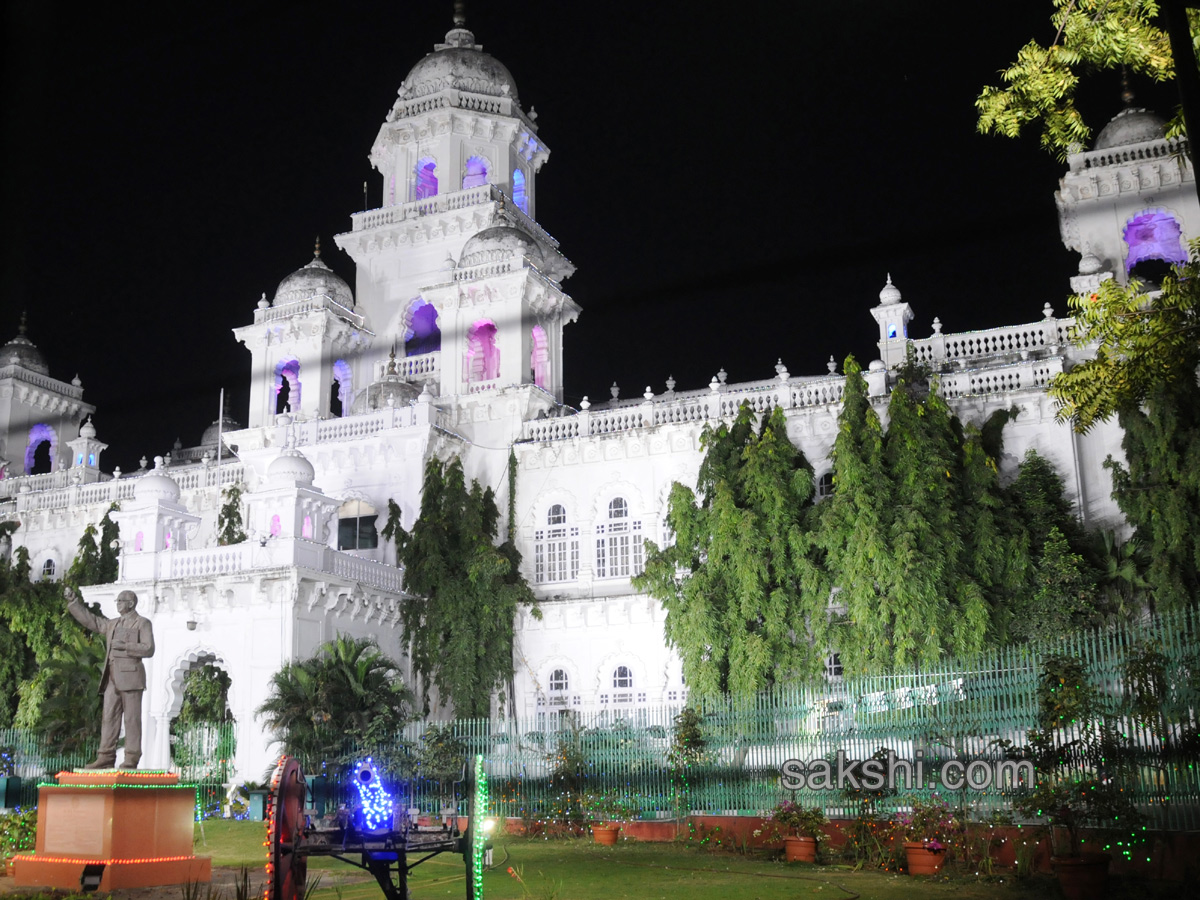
559	683
423	334
622	682
341	389
287	386
618	543
518	190
556	549
39	452
482	359
475	173
356	526
276	526
306	530
1154	240
48	569
426	183
539	357
825	486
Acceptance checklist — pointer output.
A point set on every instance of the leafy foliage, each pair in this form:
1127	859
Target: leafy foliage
347	698
440	758
466	591
1041	85
62	702
205	697
733	582
229	517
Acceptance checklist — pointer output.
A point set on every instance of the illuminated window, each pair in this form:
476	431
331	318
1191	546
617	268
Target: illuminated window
426	178
306	531
276	526
475	173
423	334
618	543
518	190
79	460
39	452
539	358
48	569
91	459
556	549
138	541
356	526
482	359
1154	240
287	386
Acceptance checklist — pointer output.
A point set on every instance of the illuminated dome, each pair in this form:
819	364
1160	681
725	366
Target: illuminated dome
500	242
21	351
225	425
314	280
460	64
1131	126
290	468
156	485
890	293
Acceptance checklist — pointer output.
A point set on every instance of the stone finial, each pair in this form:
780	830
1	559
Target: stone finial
615	391
781	371
159	461
75	381
1047	311
117	473
722	375
391	367
263	302
831	365
585	403
714	385
142	462
671	384
937	325
460	13
166	458
21	327
317	248
648	394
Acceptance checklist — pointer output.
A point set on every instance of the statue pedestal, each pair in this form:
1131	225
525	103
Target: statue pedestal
116	829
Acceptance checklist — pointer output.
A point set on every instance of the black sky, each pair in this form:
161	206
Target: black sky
733	181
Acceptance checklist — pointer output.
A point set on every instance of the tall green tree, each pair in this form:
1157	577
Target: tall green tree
229	517
465	591
345	700
1083	36
745	603
1158	489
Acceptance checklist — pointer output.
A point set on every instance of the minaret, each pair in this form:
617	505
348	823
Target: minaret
892	315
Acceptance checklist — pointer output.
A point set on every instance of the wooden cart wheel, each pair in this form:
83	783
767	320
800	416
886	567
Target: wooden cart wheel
287	870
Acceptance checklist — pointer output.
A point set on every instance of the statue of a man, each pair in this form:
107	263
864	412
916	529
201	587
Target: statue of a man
130	640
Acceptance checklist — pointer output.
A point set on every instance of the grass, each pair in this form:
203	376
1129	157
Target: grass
581	870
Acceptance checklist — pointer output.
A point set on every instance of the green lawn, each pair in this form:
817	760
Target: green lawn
580	870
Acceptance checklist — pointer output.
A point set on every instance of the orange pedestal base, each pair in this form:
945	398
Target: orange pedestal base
130	829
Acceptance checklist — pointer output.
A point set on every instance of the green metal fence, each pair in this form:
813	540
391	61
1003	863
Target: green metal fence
26	757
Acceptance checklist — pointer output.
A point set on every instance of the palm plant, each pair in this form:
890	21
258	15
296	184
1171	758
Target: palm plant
346	699
1121	566
66	693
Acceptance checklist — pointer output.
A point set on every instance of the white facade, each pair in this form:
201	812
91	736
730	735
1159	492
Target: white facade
353	391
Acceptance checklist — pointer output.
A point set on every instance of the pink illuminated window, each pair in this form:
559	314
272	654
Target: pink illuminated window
1154	237
482	360
167	541
287	386
539	358
39	452
423	334
306	531
138	541
475	173
426	182
518	187
276	527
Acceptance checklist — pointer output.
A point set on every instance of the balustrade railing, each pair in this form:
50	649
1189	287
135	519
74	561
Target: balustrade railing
312	304
251	555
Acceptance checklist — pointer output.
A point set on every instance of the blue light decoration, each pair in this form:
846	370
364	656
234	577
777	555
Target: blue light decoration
375	804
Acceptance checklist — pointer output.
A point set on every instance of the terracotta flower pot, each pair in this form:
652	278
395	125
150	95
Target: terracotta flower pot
605	835
800	849
922	861
1083	877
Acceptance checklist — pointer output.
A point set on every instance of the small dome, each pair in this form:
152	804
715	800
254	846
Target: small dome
497	243
461	64
156	485
21	351
289	469
314	280
1131	126
890	293
87	429
225	425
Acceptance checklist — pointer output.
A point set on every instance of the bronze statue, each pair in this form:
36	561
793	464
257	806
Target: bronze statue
130	640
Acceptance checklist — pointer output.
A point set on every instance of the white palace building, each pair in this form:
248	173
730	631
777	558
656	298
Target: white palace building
455	272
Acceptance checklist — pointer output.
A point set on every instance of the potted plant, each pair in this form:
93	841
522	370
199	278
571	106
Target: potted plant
800	828
607	811
1076	755
926	832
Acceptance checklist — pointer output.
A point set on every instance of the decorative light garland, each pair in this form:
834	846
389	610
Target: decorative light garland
89	861
375	803
479	839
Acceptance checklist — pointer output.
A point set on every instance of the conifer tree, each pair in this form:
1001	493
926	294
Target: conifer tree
733	582
1159	490
465	591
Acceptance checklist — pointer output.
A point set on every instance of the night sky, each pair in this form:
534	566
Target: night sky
733	181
